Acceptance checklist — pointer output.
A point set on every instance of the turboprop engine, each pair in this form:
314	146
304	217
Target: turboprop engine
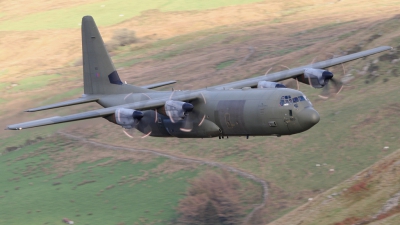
127	118
317	78
269	84
185	121
177	110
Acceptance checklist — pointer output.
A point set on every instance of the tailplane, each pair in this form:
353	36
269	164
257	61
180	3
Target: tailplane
99	73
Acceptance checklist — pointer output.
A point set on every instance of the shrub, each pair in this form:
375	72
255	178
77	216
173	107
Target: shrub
212	199
121	37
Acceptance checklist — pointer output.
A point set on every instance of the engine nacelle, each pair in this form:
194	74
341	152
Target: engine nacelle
269	84
127	118
317	78
176	110
206	130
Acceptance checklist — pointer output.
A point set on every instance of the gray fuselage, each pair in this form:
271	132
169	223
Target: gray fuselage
237	112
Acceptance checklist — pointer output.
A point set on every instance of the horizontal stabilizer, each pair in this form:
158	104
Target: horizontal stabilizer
156	85
63	104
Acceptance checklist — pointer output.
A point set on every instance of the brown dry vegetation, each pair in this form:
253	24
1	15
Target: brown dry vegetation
256	37
212	199
42	51
361	199
17	8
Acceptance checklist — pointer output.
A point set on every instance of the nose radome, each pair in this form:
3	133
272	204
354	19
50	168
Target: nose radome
308	117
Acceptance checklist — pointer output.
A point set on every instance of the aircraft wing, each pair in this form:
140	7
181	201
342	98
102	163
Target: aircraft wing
66	103
292	73
142	105
156	85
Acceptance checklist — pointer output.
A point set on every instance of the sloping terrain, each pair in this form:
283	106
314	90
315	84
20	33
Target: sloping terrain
48	180
207	47
369	197
355	125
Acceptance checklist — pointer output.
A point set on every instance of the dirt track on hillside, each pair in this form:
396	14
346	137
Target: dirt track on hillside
186	160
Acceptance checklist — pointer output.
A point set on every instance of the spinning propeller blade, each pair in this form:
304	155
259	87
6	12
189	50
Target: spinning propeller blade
333	86
185	113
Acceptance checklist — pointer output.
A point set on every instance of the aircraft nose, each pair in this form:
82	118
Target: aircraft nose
308	117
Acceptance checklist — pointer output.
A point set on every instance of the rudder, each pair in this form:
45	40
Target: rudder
99	73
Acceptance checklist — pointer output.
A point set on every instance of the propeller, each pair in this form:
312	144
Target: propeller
205	102
331	86
318	78
187	121
266	73
128	119
178	111
185	113
290	83
131	119
142	124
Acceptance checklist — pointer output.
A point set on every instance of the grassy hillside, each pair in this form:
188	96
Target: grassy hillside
106	13
49	180
354	128
211	46
369	197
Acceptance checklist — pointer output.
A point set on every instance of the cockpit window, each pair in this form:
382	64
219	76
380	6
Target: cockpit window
287	100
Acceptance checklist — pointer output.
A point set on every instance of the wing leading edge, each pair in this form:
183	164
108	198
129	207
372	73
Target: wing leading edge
66	103
292	73
161	84
143	105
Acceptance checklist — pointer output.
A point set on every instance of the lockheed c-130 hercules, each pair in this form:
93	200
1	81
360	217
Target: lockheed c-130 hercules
256	106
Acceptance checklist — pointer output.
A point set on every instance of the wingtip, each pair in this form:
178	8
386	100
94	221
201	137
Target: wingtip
388	47
9	128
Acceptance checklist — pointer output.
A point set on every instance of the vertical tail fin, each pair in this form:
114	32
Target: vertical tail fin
99	73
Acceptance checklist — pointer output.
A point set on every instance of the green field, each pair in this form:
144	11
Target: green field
121	191
35	82
222	65
107	13
39	187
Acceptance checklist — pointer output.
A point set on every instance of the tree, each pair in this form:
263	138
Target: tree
212	198
210	214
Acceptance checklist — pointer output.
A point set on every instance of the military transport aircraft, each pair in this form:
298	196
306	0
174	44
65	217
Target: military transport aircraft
256	106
